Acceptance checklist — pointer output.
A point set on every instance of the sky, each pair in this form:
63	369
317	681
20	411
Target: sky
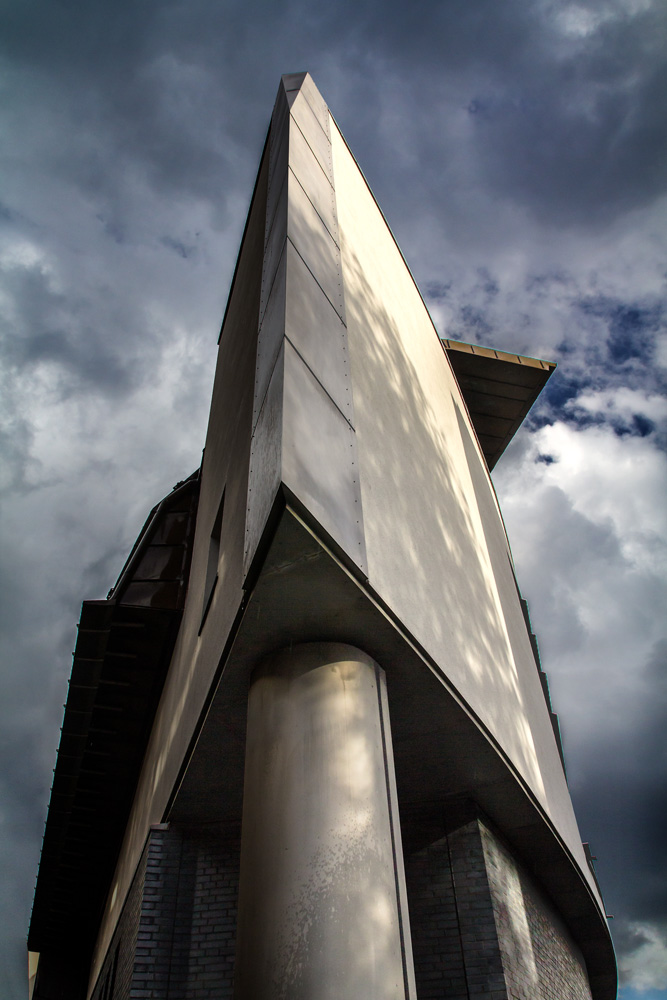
518	150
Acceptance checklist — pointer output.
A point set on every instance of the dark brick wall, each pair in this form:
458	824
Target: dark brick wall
482	957
456	951
481	927
152	971
540	959
205	926
115	979
176	937
436	937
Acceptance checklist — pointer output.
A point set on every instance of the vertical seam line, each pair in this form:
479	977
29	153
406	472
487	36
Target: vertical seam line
458	919
393	836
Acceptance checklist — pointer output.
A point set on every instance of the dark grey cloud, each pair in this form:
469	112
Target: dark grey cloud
66	333
633	821
570	124
622	808
572	163
555	108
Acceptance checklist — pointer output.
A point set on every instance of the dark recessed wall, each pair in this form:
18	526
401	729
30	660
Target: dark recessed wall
482	929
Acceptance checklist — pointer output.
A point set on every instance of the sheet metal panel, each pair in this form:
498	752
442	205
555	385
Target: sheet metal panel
279	145
274	243
319	457
309	91
315	329
316	137
271	333
278	154
313	179
291	81
265	462
431	543
315	245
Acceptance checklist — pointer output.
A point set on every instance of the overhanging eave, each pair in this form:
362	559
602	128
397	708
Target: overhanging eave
498	389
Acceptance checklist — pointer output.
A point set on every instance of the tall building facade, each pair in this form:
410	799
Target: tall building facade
308	751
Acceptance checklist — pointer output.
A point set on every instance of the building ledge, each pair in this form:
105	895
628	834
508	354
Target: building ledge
499	390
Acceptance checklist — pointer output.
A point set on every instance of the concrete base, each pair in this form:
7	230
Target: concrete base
322	910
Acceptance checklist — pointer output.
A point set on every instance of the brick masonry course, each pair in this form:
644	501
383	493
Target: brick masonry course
482	928
176	937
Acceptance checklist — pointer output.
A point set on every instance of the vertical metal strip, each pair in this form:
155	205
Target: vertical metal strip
403	924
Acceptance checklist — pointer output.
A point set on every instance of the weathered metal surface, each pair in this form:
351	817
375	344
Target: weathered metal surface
317	137
321	913
265	470
271	333
312	179
318	449
275	241
315	244
303	427
316	331
309	92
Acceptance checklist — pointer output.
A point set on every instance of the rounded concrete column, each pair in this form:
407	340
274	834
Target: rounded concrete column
322	906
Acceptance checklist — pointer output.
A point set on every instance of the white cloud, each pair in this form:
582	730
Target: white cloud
645	966
623	402
589	536
612	479
580	22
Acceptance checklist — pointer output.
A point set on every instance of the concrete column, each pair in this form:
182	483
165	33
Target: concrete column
322	904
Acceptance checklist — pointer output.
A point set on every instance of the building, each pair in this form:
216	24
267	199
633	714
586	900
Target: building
308	750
